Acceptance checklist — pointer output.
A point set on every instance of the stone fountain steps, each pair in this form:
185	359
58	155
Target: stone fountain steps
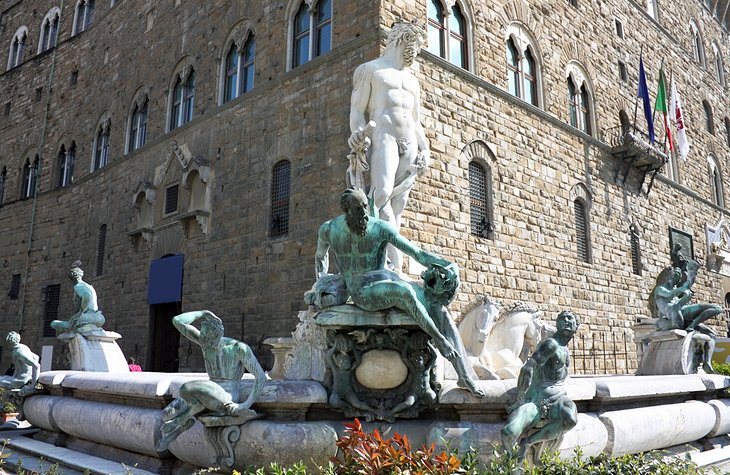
36	458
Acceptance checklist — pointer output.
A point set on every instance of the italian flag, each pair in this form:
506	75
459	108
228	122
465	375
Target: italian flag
661	105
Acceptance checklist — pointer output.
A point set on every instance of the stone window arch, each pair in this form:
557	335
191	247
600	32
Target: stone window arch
137	121
30	177
280	194
450	31
83	16
238	69
698	46
652	8
635	243
65	163
582	201
719	64
100	250
709	122
523	64
49	30
17	47
580	98
100	148
182	96
3	183
480	161
715	181
310	30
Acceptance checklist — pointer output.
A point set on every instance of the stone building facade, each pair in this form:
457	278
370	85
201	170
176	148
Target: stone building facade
236	187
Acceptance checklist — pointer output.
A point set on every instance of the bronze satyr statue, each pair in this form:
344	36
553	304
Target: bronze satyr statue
543	411
226	360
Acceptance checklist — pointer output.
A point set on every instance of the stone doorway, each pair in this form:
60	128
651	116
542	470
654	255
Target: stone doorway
164	338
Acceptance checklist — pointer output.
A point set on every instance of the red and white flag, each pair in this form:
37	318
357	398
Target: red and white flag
677	117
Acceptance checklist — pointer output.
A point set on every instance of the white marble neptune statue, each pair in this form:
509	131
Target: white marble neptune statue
386	128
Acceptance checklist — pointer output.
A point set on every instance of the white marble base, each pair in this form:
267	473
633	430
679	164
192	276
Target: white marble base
95	350
670	352
628	414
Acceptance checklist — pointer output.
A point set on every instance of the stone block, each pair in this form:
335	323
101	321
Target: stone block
650	428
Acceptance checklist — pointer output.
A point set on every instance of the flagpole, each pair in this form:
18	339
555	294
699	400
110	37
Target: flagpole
636	100
666	126
666	111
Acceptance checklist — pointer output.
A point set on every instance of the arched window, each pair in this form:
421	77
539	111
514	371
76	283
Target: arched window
101	146
582	230
635	249
101	250
3	182
66	160
49	30
17	47
138	125
30	177
652	9
698	47
709	123
523	70
447	33
232	73
183	100
239	68
513	68
727	131
585	109
572	103
311	32
580	99
715	182
84	16
529	77
280	190
719	66
727	311
480	200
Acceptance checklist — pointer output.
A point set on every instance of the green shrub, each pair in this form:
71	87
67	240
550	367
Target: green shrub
362	453
7	405
721	368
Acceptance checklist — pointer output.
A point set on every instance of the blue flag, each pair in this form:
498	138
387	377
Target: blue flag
644	95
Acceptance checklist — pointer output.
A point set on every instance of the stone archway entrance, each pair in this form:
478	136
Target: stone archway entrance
164	296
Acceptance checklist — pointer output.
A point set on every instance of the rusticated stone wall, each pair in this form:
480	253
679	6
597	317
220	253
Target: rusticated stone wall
254	282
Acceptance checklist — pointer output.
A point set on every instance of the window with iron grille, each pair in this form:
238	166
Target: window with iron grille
635	250
14	291
581	231
171	195
480	200
101	250
3	177
280	185
50	311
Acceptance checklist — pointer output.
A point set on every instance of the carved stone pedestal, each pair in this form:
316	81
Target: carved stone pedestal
672	352
95	350
223	432
382	363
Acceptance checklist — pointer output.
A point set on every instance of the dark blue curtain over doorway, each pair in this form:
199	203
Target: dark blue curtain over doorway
165	280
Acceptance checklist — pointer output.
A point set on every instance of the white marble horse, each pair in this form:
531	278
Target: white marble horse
497	342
